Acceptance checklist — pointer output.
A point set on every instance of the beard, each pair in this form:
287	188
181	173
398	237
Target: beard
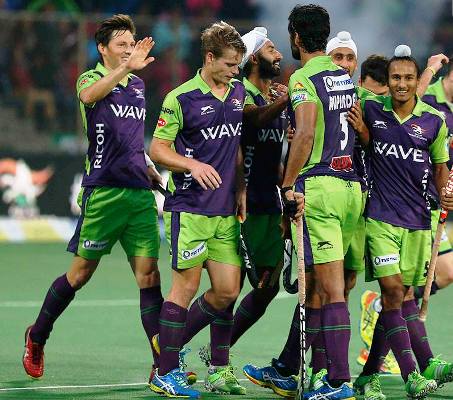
267	69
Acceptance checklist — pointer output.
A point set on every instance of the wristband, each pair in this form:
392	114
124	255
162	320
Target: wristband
432	70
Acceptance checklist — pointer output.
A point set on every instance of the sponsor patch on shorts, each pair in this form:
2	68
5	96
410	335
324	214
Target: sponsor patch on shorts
388	259
94	244
189	254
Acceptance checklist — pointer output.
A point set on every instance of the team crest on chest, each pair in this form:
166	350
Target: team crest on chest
417	132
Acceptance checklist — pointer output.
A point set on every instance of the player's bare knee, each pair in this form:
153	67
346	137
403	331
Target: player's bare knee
77	279
392	297
150	279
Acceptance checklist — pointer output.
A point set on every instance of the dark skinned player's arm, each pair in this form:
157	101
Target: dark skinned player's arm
440	172
261	116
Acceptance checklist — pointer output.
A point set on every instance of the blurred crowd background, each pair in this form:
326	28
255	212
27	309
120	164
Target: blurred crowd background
46	44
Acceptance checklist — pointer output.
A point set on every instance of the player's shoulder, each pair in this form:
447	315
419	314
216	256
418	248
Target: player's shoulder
91	74
186	87
428	108
136	78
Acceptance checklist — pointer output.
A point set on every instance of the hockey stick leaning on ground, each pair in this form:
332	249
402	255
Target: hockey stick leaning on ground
434	252
301	295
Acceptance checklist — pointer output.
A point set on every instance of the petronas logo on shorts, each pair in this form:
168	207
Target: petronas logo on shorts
325	245
189	254
386	260
95	245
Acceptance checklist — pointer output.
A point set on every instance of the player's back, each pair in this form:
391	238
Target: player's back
321	82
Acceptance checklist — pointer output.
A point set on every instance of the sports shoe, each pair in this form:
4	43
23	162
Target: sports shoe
191	376
173	384
369	315
33	358
369	386
317	380
390	365
418	387
222	379
439	370
269	377
326	392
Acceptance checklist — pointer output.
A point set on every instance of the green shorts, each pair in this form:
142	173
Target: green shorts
195	238
263	236
393	250
332	210
354	260
112	214
445	245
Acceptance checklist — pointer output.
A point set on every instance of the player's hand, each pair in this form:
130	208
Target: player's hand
437	61
278	91
139	57
154	177
293	204
446	200
290	131
355	118
241	205
205	175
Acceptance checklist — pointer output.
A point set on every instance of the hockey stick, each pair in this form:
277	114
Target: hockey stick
435	252
301	295
291	288
164	192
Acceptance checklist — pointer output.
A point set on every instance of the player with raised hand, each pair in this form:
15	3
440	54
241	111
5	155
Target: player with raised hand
405	135
198	139
116	201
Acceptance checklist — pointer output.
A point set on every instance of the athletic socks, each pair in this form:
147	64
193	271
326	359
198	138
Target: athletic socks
58	297
290	355
417	334
318	348
379	350
150	305
251	309
336	328
221	329
172	323
396	334
418	290
200	315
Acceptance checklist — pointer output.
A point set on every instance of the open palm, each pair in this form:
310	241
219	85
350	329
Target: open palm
139	57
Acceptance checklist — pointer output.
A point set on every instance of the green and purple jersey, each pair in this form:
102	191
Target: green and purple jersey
262	151
115	130
207	128
322	82
401	153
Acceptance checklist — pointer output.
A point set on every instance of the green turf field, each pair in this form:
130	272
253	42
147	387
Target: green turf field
98	349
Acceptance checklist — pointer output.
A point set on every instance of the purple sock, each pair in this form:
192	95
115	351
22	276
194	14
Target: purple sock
290	355
200	315
318	348
417	333
251	309
336	329
396	334
221	329
150	305
379	350
58	297
172	323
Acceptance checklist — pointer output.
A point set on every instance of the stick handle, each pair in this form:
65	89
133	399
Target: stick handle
301	295
434	253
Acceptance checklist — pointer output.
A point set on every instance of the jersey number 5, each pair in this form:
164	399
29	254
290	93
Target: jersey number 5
344	129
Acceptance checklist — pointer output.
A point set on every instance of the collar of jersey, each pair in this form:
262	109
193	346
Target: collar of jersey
417	111
204	87
320	60
251	88
105	71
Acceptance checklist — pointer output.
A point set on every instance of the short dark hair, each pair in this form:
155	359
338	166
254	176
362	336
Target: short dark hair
312	23
375	66
219	36
404	58
119	22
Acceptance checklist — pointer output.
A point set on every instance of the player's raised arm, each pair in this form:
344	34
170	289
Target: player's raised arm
123	55
433	66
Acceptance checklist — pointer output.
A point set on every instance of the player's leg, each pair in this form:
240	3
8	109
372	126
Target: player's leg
264	239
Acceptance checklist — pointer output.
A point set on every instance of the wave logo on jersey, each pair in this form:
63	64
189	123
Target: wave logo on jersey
219	131
237	105
379	124
417	132
386	260
397	151
207	110
271	135
189	254
338	83
134	112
